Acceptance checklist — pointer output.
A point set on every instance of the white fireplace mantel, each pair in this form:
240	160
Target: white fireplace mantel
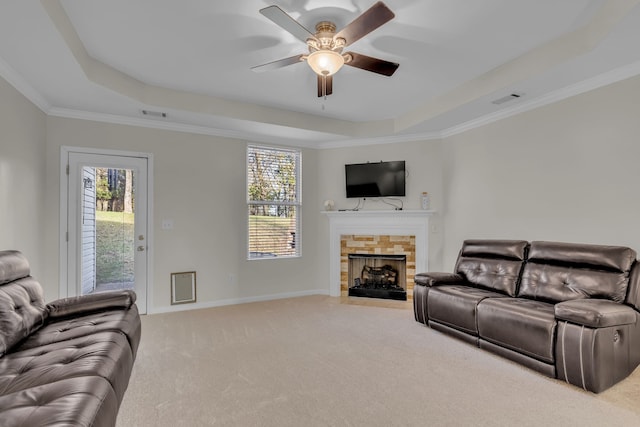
374	223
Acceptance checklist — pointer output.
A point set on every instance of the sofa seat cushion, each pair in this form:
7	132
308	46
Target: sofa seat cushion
455	306
125	321
522	325
85	401
104	354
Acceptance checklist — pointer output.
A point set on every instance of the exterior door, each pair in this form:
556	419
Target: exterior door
107	216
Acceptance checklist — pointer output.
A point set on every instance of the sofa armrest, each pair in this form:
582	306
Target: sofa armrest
438	279
595	313
90	303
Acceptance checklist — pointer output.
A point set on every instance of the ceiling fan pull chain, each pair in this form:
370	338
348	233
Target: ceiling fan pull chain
324	87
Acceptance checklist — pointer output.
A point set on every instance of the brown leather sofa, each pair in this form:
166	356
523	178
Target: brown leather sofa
66	363
569	311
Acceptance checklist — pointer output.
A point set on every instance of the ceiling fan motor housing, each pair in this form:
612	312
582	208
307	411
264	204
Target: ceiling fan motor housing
324	38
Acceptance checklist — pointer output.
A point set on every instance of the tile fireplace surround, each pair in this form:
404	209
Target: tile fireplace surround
374	223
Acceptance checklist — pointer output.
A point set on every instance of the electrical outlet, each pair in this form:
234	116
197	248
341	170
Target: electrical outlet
167	224
435	228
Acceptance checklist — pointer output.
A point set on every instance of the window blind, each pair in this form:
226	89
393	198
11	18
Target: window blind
273	200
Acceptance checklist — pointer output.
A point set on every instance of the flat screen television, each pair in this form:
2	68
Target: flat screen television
382	179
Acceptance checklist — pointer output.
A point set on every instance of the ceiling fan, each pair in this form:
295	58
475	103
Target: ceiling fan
325	55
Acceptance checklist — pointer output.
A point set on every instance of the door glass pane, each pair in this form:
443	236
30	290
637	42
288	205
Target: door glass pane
108	237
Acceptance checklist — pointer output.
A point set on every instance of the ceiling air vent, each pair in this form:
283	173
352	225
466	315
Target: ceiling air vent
156	114
511	97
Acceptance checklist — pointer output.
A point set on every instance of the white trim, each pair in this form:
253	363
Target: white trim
389	139
604	79
104	151
63	223
175	127
150	232
21	85
378	222
297	204
587	85
234	301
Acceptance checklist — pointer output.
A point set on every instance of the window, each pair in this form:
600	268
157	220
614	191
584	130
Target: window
273	201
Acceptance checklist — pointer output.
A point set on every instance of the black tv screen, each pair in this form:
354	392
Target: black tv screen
383	179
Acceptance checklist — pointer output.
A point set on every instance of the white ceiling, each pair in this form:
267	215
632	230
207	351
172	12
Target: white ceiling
108	60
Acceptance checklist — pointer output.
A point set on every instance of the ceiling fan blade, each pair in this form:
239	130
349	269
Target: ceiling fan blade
325	86
374	17
277	64
282	19
374	65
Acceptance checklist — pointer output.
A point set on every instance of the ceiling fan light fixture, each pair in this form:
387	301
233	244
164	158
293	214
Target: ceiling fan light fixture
325	62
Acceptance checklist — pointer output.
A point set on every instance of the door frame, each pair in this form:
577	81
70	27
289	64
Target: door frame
64	214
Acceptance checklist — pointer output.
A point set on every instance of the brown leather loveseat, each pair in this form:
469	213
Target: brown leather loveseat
569	311
66	363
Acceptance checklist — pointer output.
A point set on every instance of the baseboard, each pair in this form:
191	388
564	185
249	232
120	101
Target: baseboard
233	301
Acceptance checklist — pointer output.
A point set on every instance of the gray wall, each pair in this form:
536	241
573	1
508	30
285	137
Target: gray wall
563	172
22	176
199	182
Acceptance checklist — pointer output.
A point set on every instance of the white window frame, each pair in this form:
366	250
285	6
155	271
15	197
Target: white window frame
297	204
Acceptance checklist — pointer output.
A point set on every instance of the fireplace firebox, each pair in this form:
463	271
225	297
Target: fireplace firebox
378	276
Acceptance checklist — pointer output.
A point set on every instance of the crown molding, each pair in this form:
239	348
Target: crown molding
604	79
607	78
173	126
389	139
613	76
21	85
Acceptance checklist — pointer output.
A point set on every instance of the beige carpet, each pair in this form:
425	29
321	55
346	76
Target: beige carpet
316	361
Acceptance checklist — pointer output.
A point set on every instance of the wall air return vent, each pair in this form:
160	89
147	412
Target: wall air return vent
156	114
510	97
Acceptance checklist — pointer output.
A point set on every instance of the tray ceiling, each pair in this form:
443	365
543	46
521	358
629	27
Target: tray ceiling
191	59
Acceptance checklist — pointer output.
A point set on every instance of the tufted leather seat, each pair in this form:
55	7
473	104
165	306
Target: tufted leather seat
125	321
67	363
105	354
81	402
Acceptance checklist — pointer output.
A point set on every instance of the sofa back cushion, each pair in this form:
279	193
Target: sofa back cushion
557	272
492	264
22	307
633	292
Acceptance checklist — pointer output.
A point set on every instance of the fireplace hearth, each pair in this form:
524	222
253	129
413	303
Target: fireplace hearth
377	276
